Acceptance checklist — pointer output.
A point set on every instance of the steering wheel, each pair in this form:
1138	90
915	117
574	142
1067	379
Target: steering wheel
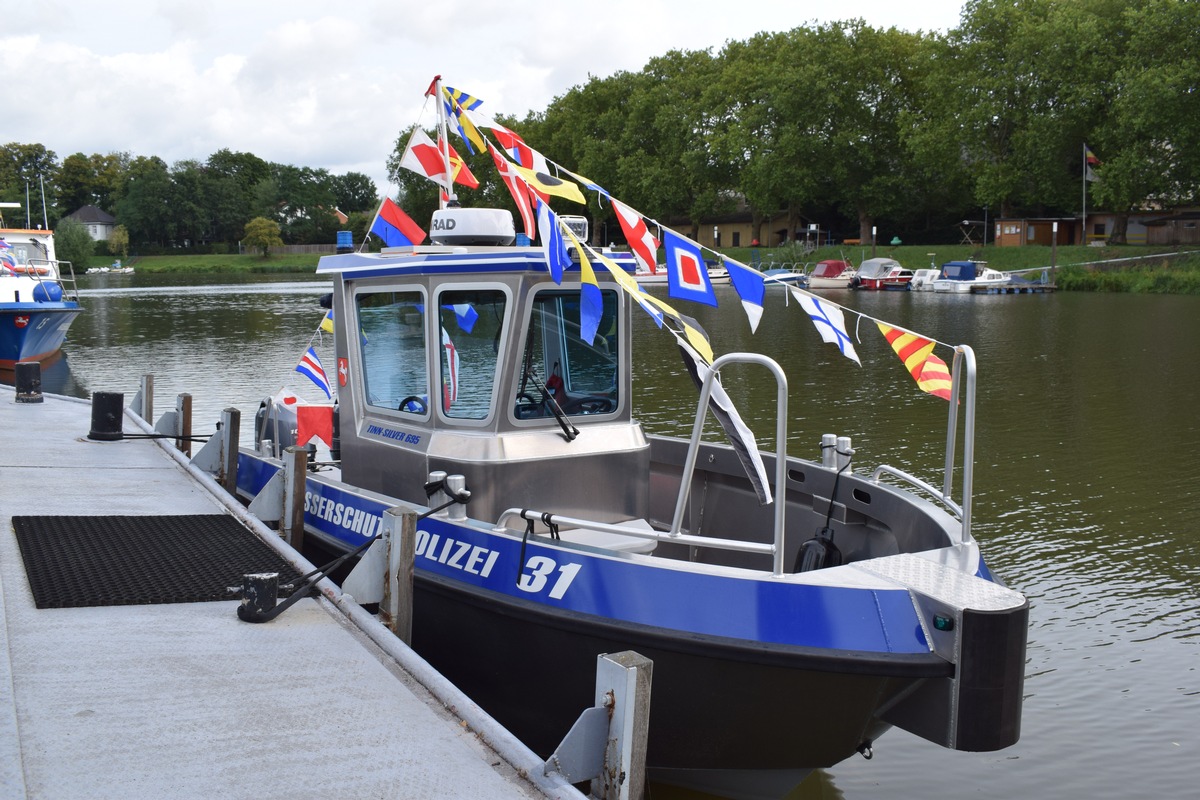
418	402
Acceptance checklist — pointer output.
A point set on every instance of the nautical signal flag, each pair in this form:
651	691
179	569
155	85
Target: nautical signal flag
751	288
553	245
545	184
459	170
591	302
310	366
927	370
687	274
423	157
830	322
394	227
641	241
516	187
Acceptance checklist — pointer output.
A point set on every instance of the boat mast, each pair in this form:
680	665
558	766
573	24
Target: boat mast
447	196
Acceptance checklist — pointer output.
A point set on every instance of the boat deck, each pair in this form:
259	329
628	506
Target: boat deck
117	682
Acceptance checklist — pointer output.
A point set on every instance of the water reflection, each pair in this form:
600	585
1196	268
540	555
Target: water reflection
1086	479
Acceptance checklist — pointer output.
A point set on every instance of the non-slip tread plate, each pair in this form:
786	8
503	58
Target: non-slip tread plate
84	561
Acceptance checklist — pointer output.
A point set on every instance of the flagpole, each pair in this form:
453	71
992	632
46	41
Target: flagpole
1083	237
443	143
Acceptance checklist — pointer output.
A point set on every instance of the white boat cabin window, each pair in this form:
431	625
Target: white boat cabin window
560	367
471	324
392	342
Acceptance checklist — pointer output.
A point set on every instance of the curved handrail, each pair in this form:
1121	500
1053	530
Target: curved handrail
689	465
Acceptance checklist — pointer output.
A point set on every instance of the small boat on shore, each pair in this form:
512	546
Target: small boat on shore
882	273
832	274
791	620
961	277
38	299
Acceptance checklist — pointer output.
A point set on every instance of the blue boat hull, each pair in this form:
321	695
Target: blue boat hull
34	331
518	626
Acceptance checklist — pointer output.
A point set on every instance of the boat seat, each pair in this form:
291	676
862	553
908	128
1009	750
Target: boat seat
612	541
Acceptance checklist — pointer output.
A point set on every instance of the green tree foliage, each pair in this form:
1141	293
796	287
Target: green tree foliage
262	234
143	206
27	171
842	124
73	243
354	191
1149	143
118	242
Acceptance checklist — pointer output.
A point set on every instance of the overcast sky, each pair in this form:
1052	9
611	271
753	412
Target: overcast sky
329	84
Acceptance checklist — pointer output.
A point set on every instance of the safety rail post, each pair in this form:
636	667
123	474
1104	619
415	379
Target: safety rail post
295	467
231	427
400	538
607	743
962	386
143	402
183	424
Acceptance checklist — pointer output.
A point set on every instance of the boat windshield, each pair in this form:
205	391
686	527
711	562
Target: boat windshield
392	346
471	324
581	377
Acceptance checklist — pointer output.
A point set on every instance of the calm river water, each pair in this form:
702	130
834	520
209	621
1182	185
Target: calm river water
1087	483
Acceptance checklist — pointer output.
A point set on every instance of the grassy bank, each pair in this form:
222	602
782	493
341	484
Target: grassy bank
1099	269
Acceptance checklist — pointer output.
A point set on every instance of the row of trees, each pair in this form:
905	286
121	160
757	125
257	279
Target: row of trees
840	124
190	203
851	126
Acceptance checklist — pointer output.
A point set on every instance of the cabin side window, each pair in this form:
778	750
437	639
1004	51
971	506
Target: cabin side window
392	346
471	324
560	371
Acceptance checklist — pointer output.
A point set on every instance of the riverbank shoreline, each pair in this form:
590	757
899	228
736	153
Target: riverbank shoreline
1131	268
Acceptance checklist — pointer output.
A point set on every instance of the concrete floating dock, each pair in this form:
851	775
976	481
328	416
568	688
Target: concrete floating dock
184	700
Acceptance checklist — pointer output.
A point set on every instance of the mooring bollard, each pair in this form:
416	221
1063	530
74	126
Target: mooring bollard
27	377
107	413
260	593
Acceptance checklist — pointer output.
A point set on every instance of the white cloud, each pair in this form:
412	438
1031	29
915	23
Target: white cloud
330	85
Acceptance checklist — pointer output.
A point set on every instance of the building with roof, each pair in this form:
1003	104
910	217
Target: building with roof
99	224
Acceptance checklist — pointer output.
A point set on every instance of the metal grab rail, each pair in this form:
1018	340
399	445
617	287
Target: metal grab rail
689	465
962	385
629	530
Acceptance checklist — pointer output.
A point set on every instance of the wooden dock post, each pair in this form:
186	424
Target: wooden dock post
295	468
400	534
231	432
183	424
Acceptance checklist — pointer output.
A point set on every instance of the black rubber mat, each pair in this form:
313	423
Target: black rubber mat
75	562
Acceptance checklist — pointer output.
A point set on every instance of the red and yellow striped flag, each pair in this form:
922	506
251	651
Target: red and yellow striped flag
929	371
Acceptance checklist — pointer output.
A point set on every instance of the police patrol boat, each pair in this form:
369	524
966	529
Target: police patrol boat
786	635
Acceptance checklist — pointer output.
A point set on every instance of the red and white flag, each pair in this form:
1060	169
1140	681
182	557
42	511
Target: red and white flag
641	241
517	187
423	157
